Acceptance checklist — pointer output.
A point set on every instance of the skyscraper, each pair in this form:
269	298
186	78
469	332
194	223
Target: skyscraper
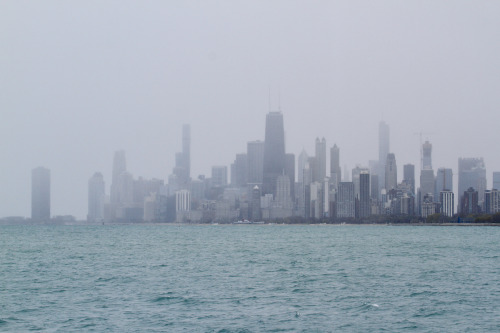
321	159
391	172
335	171
472	173
447	200
383	150
239	171
182	169
345	200
274	152
96	192
364	193
427	156
444	181
290	172
496	180
355	179
40	194
219	176
119	167
255	160
303	157
409	176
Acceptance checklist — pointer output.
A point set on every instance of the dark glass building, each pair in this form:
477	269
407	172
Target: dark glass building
274	152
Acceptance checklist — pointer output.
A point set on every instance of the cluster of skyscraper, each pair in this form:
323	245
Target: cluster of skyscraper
263	186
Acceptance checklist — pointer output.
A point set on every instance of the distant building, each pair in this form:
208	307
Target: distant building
444	180
40	194
447	200
255	212
119	167
219	176
492	201
255	162
383	150
391	172
335	171
471	173
239	171
426	156
427	187
321	160
469	203
345	200
428	205
274	151
303	157
355	178
409	176
182	205
496	180
96	193
364	194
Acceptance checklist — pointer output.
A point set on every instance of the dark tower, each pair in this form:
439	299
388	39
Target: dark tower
274	152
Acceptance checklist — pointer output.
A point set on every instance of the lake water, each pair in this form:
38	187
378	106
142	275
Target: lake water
167	278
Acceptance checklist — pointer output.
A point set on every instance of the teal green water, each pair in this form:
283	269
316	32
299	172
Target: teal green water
164	278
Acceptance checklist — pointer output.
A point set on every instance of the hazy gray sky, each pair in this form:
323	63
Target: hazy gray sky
81	79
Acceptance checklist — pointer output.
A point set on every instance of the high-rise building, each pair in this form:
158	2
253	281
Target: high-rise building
447	200
427	156
186	150
219	176
119	167
239	171
290	172
182	169
355	178
496	180
283	198
364	194
274	152
391	172
40	194
255	212
444	181
321	159
491	201
335	171
472	173
383	150
409	176
125	188
255	160
469	203
426	186
345	200
303	157
96	192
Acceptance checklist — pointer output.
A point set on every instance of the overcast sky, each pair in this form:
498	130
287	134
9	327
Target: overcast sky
81	79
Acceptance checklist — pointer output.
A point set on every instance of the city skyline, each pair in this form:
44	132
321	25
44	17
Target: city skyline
129	197
80	82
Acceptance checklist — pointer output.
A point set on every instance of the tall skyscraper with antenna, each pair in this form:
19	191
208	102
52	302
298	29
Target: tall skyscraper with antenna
274	151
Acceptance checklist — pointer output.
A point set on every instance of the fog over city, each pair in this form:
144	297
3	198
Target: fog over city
80	80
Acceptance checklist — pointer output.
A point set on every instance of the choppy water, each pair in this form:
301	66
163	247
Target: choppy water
249	278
